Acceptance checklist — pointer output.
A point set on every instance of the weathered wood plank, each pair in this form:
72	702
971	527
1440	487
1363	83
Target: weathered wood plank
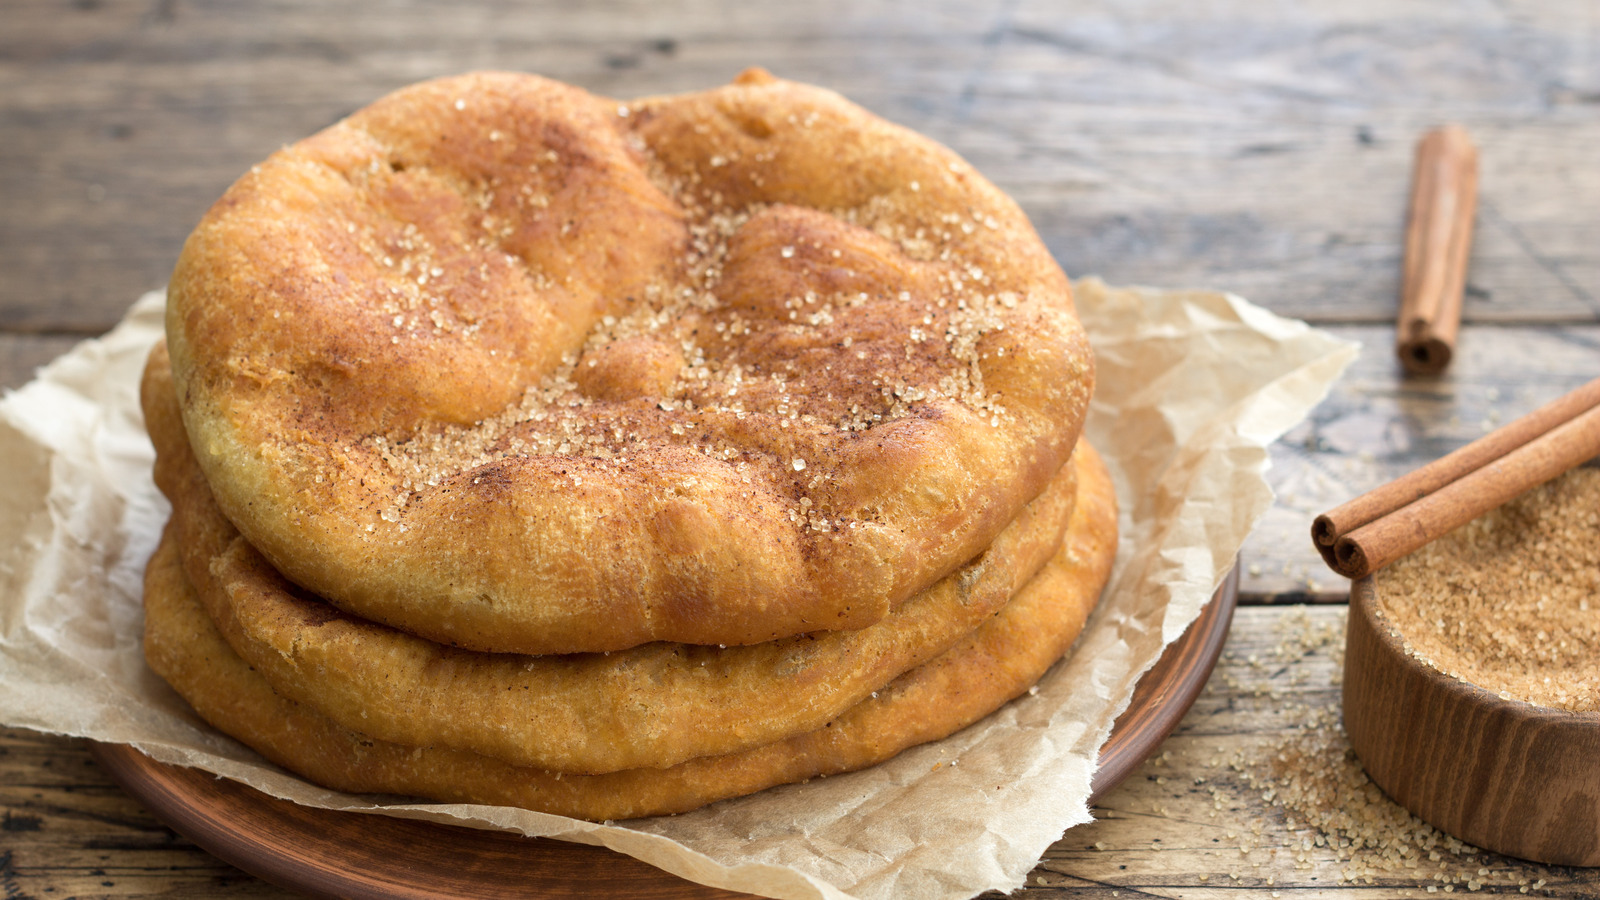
1267	150
22	355
1262	152
124	125
67	830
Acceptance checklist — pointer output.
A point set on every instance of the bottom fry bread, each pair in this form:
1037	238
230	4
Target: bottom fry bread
992	665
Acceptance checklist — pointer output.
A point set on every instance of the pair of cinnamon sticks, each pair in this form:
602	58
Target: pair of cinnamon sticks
1381	526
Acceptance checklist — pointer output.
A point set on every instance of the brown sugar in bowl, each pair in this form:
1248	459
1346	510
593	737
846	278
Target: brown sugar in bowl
1503	774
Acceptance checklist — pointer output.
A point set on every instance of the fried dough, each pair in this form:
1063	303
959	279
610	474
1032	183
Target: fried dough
655	705
518	368
993	664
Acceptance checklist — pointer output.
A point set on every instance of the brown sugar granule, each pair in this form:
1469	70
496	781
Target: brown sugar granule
1510	602
1312	776
702	371
1259	791
1329	821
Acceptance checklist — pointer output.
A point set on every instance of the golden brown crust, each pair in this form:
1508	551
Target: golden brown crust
655	705
517	368
995	663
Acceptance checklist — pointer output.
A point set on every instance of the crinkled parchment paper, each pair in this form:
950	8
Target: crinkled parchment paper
1193	386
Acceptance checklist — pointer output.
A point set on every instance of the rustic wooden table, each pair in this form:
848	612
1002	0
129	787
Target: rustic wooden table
1262	148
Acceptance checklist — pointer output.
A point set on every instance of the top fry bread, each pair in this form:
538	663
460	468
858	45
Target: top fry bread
517	368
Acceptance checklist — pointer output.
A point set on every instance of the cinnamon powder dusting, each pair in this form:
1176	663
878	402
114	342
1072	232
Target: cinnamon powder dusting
1510	601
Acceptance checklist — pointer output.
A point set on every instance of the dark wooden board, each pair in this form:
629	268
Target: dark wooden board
337	854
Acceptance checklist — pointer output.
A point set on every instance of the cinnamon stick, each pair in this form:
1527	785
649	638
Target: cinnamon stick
1381	526
1444	202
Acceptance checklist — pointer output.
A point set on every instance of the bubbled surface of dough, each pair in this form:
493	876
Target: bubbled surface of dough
519	368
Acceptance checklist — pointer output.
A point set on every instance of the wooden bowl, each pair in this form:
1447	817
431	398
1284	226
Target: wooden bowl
1503	775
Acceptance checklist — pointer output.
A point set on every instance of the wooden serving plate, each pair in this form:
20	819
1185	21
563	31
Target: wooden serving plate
1166	692
1503	775
327	853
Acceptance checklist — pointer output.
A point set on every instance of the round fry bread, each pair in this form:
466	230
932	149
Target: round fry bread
993	664
654	705
517	368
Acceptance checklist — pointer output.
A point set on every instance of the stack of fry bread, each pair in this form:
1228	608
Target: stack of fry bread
608	459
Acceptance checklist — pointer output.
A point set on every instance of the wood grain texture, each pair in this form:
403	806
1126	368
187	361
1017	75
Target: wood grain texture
22	355
1260	148
1265	149
1503	774
1257	147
